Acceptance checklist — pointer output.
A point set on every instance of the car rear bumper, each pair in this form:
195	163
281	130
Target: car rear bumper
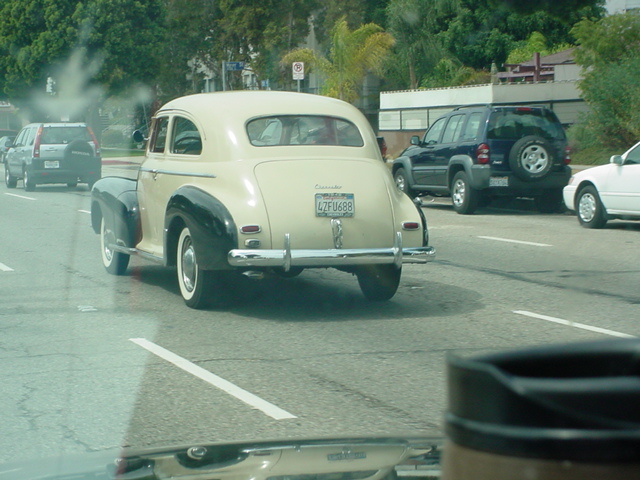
286	257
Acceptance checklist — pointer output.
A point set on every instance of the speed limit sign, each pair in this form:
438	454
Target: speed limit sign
298	70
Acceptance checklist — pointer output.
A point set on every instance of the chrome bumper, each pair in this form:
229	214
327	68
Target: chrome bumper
287	258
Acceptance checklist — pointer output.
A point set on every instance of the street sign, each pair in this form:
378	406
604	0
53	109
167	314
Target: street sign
298	70
233	66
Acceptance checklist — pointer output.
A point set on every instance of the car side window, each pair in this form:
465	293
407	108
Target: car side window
159	135
185	139
453	128
32	136
433	134
633	157
471	129
20	138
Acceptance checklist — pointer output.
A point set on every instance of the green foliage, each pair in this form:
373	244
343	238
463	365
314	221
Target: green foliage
353	54
37	37
450	72
610	51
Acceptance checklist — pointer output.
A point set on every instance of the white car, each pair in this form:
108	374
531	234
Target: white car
606	192
256	182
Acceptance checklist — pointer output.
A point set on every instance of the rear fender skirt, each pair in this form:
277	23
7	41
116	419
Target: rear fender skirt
211	225
115	198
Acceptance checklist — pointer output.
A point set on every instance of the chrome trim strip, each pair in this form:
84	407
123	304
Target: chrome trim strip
154	172
287	258
135	251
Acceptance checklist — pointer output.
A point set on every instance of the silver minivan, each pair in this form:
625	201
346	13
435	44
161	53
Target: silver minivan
53	153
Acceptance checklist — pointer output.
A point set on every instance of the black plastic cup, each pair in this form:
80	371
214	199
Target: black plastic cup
560	412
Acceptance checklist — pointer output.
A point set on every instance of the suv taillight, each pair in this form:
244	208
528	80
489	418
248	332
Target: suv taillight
95	141
36	145
567	155
482	153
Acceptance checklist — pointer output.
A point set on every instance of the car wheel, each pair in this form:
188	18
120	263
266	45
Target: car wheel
589	209
9	179
379	282
465	199
199	288
27	181
291	273
550	202
402	181
114	262
531	158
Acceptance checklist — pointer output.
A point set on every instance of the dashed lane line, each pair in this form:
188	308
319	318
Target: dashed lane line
569	323
498	239
19	196
218	382
5	268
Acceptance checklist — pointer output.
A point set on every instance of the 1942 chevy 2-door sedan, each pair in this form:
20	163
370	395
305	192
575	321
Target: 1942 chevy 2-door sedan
256	181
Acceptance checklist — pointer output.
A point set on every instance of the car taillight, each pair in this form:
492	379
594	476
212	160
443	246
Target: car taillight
567	155
36	146
482	153
95	141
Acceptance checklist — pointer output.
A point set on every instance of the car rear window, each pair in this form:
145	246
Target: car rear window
62	135
512	124
303	130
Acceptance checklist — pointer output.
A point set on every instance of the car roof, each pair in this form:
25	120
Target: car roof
245	104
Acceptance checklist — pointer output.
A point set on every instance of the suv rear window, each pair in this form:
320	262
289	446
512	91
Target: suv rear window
62	135
511	124
303	130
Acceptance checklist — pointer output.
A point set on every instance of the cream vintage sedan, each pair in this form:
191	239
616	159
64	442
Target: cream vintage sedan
255	181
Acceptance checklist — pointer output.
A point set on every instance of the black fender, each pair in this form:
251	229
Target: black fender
115	199
212	227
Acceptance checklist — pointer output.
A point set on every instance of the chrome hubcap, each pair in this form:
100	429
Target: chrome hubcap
458	193
400	183
189	266
108	238
587	207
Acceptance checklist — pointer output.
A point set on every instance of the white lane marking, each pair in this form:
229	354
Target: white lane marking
19	196
84	211
218	382
569	323
498	239
4	268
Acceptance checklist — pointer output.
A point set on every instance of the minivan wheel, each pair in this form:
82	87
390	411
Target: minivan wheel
29	184
465	199
9	179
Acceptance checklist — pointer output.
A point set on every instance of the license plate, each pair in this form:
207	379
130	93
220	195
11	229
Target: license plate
335	205
51	164
335	457
499	181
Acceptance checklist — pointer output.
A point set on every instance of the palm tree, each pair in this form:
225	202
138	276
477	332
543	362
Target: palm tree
353	54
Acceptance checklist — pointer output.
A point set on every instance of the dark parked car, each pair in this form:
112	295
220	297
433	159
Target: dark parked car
475	153
53	153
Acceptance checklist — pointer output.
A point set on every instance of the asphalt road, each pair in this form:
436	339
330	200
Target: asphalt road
90	361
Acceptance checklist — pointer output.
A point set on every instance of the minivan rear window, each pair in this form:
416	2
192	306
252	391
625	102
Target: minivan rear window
63	135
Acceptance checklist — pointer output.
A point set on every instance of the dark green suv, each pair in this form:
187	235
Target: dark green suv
476	153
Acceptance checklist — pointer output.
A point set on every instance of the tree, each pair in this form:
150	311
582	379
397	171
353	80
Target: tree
609	51
353	54
414	25
536	43
39	36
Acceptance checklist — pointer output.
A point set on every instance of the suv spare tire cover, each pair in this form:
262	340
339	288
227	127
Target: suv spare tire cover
78	150
531	158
